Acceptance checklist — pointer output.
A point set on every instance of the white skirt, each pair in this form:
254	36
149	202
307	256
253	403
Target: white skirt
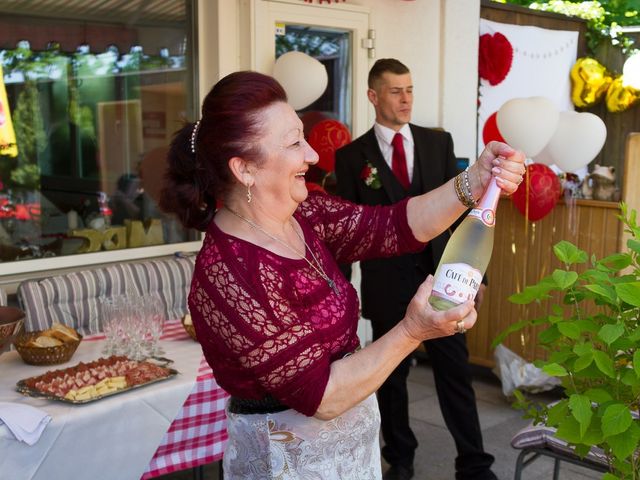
290	446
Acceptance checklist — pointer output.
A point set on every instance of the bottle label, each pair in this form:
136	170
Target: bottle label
457	282
486	216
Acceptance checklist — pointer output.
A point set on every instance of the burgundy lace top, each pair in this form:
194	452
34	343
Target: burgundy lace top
270	325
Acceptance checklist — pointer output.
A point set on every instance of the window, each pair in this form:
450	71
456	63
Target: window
89	100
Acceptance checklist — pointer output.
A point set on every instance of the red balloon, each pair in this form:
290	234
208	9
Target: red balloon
310	119
495	57
325	138
490	130
544	191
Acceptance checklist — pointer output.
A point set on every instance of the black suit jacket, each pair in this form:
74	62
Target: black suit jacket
389	284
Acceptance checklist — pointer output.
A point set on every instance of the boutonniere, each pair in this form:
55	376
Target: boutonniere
370	176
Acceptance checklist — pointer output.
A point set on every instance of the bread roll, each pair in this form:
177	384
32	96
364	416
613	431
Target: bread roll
62	332
44	341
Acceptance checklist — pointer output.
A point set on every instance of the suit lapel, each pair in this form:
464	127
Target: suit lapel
373	155
429	180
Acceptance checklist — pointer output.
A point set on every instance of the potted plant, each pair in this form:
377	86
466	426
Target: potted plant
592	336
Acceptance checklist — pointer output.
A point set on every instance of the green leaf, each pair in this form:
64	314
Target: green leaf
514	327
636	361
587	325
530	294
569	329
549	335
634	245
629	378
610	333
608	476
624	444
581	349
604	363
635	335
629	292
616	419
555	370
569	430
580	407
568	253
617	261
598	395
564	279
557	413
605	291
583	362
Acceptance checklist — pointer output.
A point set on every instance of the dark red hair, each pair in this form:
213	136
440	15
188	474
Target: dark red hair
229	127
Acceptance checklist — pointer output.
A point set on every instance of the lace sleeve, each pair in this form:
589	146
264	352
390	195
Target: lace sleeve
252	336
360	232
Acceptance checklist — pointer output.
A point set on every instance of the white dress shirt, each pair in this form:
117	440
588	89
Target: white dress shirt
385	135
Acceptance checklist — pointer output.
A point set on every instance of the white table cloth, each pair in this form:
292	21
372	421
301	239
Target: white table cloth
112	438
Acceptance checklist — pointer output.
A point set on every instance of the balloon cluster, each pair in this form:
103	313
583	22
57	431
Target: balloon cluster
570	140
591	82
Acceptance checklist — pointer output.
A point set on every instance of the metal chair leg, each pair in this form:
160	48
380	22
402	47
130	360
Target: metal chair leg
556	469
220	471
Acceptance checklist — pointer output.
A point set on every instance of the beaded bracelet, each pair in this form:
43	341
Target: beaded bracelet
463	190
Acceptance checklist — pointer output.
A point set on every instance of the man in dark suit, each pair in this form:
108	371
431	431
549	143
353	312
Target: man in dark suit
369	172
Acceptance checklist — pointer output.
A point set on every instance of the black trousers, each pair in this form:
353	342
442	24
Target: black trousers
452	374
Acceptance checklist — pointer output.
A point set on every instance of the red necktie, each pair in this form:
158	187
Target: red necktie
399	161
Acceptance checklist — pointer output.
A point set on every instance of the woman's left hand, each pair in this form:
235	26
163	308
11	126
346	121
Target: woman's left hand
499	160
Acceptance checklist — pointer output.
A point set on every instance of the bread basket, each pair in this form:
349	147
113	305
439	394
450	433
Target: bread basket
189	328
44	355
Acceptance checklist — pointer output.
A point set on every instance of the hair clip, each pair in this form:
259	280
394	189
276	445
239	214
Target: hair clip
194	136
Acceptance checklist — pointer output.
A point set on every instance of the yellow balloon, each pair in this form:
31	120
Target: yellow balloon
590	80
621	97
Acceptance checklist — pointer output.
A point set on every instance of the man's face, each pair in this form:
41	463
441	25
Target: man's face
392	98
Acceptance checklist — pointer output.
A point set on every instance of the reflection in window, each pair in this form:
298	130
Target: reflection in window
331	47
87	109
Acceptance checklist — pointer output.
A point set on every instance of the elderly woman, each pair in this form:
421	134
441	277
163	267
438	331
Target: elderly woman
276	318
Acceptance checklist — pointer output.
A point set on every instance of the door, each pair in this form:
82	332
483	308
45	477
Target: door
342	28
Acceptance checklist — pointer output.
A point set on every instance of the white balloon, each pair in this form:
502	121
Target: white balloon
631	72
527	124
544	157
303	78
577	140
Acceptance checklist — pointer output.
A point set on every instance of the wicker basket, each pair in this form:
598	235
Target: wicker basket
190	329
44	355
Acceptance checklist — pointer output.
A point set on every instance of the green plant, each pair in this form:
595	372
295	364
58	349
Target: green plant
592	337
604	18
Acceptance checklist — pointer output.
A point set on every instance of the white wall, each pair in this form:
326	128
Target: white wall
436	39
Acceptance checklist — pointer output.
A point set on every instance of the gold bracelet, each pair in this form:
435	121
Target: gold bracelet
467	187
464	197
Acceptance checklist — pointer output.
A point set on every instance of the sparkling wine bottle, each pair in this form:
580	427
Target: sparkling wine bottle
467	254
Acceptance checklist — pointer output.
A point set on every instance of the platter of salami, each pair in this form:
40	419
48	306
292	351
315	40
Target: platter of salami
88	382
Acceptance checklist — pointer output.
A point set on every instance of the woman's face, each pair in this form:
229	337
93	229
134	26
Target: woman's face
280	178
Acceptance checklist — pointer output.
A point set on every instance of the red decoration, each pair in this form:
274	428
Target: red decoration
544	190
495	57
310	119
490	130
325	138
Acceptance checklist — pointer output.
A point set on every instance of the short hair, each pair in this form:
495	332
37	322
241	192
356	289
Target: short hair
383	66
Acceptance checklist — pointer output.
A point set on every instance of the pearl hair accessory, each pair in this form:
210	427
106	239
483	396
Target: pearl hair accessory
194	136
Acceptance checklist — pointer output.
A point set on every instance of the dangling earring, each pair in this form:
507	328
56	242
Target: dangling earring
249	196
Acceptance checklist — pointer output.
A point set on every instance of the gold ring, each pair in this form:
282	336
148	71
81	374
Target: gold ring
460	326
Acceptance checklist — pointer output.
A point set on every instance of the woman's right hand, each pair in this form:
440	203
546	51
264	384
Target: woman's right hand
423	322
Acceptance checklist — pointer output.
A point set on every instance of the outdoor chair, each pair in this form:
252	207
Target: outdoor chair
74	298
536	441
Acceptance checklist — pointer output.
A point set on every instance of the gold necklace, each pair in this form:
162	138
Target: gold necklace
317	267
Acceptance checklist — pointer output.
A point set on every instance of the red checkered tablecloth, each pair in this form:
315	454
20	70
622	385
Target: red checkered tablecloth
198	434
